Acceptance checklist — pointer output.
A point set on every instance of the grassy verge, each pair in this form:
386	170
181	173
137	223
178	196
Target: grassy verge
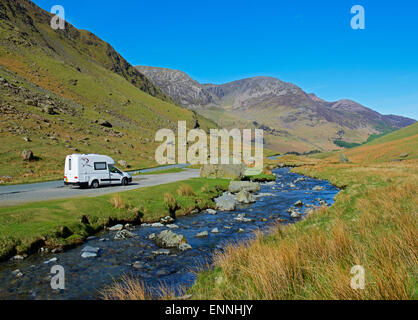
373	224
64	223
262	177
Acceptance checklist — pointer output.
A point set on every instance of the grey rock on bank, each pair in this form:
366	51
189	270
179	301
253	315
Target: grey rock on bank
228	171
237	186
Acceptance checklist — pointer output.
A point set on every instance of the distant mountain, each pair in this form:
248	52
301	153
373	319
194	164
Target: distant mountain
292	119
179	86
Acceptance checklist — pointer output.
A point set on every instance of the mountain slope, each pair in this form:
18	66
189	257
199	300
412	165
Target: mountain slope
292	119
56	89
400	145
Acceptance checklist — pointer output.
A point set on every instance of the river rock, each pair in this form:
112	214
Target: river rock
152	236
117	227
51	260
202	234
299	203
17	273
138	265
317	188
123	234
90	249
241	218
185	247
156	225
169	239
227	171
167	220
172	226
245	197
161	252
211	211
240	230
90	252
237	186
86	255
18	257
226	202
215	230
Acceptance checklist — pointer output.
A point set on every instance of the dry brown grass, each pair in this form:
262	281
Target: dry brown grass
373	226
131	288
186	191
117	202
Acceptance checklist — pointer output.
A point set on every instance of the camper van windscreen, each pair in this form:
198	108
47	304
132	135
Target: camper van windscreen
100	166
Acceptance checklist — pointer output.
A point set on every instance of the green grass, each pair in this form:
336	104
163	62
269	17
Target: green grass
262	177
345	144
60	223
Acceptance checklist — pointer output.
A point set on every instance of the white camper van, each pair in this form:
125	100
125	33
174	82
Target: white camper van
93	170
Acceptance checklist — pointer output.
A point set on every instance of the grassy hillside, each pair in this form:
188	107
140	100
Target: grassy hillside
58	86
399	145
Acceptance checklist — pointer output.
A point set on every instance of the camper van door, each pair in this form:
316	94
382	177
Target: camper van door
115	175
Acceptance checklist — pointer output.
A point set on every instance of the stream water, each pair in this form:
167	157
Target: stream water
85	277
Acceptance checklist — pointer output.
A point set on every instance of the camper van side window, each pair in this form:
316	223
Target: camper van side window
100	166
69	164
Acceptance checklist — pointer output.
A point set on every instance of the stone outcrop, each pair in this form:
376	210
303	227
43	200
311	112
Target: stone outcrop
227	171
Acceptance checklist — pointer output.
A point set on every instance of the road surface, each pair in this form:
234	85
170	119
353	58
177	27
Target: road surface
19	194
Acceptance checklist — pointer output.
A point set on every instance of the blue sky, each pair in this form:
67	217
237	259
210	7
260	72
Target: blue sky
309	43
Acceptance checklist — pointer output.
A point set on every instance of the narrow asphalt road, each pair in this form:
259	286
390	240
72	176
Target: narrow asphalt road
19	194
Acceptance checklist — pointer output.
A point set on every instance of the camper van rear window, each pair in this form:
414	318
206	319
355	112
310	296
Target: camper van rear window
100	166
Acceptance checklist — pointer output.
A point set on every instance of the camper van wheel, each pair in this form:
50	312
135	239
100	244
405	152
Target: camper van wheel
95	184
125	182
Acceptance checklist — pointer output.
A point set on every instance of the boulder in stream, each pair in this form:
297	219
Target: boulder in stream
169	239
299	203
117	227
202	234
185	247
245	197
124	234
226	202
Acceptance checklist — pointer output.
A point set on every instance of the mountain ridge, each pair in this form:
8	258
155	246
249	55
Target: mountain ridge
278	105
